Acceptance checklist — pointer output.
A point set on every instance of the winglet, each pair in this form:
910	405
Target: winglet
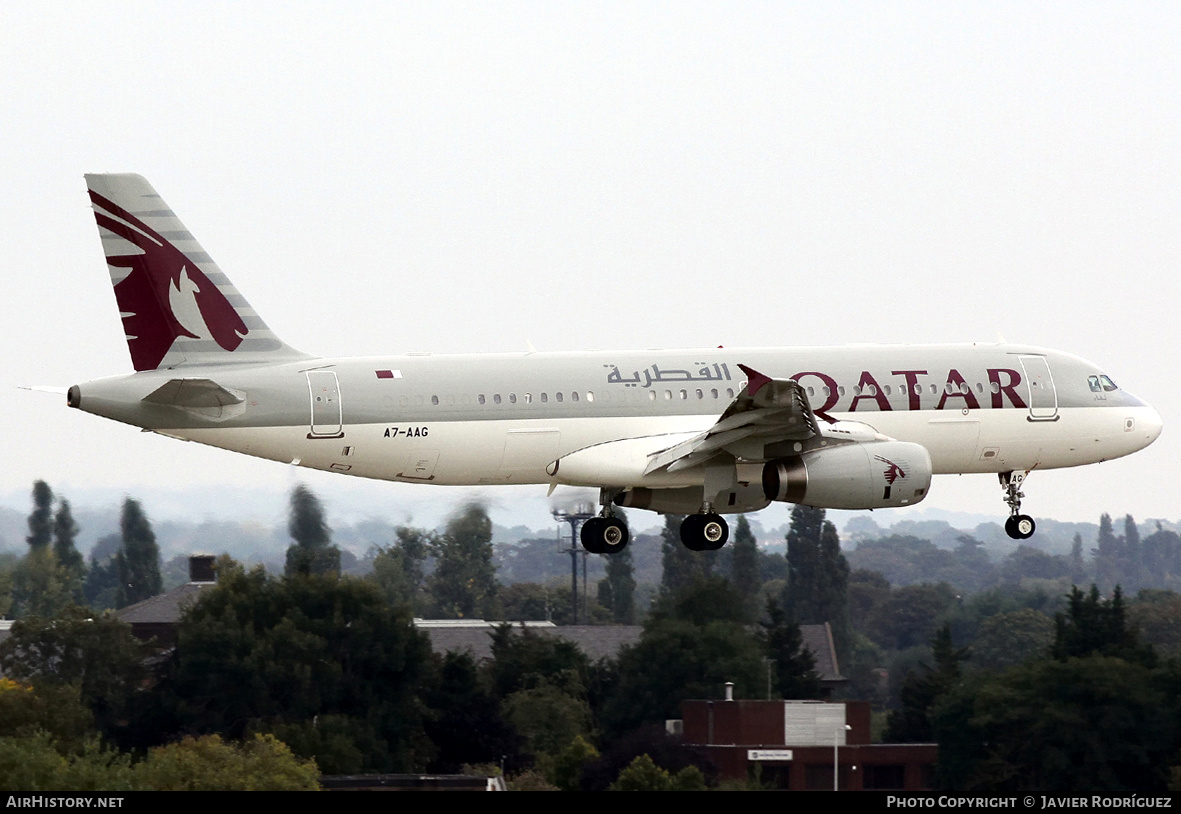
755	380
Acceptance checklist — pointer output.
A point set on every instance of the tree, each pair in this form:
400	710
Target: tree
65	532
41	518
40	587
138	561
676	659
818	574
465	722
1107	553
744	563
1093	625
463	584
1081	724
680	566
795	667
261	763
312	552
398	568
617	591
922	690
256	654
101	588
96	654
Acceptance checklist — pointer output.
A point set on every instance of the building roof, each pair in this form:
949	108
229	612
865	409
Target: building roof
164	608
596	641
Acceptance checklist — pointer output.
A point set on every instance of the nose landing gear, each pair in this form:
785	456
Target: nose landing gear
1018	526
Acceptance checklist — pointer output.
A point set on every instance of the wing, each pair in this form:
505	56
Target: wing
766	412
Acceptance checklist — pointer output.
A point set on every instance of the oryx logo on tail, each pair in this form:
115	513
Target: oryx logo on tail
893	472
165	294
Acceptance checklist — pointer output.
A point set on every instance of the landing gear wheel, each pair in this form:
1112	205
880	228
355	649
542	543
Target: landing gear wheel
704	532
604	535
1020	527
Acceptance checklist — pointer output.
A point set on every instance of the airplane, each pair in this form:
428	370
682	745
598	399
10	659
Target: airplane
702	432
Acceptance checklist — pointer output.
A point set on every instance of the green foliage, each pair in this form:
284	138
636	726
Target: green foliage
40	587
522	658
41	518
922	690
549	716
312	553
53	709
398	569
1073	725
465	722
463	584
744	562
96	655
677	660
262	763
818	575
644	775
138	562
617	591
101	586
65	532
1095	625
1010	638
261	652
34	762
909	616
565	769
795	667
704	600
679	566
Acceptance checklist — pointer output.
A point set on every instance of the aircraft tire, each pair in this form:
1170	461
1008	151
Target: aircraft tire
1020	527
714	532
692	536
592	534
614	536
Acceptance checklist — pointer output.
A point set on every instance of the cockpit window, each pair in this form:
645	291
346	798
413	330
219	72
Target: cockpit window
1101	384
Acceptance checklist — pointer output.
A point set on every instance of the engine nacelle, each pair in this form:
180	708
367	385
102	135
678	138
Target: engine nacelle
875	475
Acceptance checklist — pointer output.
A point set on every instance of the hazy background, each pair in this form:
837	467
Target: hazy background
384	177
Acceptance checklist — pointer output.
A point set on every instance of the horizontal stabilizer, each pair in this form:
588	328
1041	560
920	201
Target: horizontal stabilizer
193	394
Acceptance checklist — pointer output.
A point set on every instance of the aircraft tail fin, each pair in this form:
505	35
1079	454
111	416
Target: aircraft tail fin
178	308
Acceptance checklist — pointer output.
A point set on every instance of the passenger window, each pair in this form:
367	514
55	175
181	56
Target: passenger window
590	396
496	398
512	398
545	398
480	398
558	396
435	400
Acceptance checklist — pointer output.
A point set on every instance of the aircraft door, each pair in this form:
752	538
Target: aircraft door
327	418
1043	398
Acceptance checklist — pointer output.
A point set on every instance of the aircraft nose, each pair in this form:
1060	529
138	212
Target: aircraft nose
1146	424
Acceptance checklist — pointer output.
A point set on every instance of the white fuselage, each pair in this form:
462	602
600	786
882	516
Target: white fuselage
507	418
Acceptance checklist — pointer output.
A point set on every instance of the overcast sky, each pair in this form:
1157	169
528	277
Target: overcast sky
456	177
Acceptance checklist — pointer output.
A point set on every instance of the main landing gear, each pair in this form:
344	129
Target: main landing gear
1018	526
705	531
604	535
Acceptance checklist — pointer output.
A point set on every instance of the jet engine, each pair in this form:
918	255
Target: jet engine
874	475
